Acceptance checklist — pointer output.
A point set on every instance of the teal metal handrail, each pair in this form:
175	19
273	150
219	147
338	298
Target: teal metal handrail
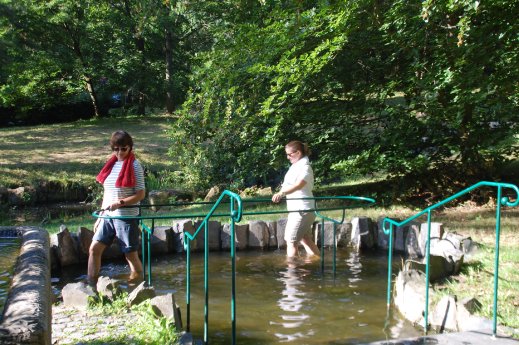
502	201
235	215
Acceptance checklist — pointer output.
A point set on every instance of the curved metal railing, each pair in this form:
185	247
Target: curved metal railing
502	201
235	214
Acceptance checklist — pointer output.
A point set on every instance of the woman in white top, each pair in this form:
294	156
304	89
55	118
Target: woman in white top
298	183
123	180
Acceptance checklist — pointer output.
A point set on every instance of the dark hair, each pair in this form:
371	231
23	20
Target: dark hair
297	145
121	138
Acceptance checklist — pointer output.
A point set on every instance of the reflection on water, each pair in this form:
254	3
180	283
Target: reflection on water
291	302
9	249
279	301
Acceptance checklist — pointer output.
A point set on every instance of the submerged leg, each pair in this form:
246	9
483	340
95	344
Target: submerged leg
94	261
135	265
310	246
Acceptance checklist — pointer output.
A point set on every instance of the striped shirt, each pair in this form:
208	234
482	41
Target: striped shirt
113	194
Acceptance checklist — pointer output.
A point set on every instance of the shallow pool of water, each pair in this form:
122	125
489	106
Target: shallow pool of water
278	301
9	249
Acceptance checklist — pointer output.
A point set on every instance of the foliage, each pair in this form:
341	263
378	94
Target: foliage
60	52
407	89
144	328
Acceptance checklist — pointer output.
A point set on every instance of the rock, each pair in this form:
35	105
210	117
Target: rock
280	233
67	250
444	315
342	234
162	240
164	305
108	287
157	197
258	234
241	236
436	234
382	238
84	237
413	247
439	267
362	233
273	240
410	294
140	294
21	196
181	226
213	194
77	295
468	322
214	229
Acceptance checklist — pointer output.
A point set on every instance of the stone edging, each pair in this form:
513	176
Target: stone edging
27	312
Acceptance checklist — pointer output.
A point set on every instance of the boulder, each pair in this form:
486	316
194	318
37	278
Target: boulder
258	235
214	229
342	234
444	315
241	236
78	295
140	294
280	233
410	294
273	240
179	227
165	306
84	238
158	197
213	194
108	287
162	240
362	233
413	248
67	248
436	234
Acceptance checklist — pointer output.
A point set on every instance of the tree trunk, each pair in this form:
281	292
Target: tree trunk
93	95
170	106
141	99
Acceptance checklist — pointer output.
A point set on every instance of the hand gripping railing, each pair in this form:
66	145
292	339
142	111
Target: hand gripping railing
502	201
235	215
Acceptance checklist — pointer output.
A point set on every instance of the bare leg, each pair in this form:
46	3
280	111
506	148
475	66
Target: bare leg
135	264
291	249
94	261
310	246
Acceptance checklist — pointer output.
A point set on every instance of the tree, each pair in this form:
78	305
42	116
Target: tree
372	86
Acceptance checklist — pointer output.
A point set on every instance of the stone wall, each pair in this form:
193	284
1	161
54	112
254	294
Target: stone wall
27	312
361	233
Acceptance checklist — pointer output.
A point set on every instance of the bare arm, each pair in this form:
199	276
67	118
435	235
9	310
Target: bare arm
287	190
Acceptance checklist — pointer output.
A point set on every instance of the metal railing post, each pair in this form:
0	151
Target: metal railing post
496	262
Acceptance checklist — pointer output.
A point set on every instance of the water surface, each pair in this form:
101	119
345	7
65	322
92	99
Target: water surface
284	302
9	250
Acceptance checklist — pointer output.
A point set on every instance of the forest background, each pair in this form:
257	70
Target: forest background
422	95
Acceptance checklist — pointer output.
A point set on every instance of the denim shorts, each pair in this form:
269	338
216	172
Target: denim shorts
125	230
298	225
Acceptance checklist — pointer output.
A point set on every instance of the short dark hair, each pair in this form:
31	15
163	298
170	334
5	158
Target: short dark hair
121	138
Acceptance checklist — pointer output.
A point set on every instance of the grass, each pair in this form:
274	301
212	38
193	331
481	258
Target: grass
144	327
75	152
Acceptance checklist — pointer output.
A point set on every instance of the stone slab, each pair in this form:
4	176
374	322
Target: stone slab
462	338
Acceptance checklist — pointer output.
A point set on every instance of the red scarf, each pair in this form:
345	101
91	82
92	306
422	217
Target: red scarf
126	176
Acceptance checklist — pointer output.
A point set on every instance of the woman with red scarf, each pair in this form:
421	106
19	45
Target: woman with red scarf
122	178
